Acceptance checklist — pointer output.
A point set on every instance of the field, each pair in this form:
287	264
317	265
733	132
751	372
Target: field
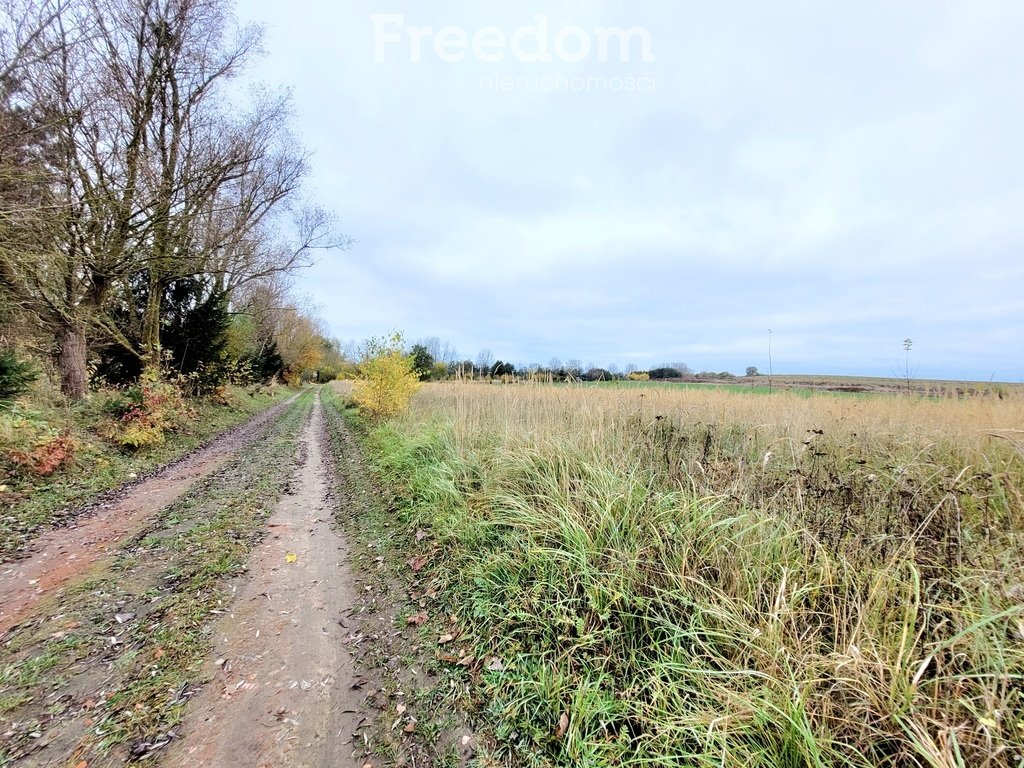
846	385
702	577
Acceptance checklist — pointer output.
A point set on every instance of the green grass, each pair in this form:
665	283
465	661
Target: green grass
381	547
30	503
660	593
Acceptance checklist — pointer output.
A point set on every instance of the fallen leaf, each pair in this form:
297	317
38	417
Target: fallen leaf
563	726
494	664
291	557
410	726
400	709
82	764
421	535
417	620
121	618
445	639
159	653
417	563
466	740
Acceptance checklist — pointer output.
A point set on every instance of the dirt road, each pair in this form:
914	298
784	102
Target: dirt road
213	615
64	554
284	691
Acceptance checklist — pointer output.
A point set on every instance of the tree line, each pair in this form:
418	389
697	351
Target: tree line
433	360
150	215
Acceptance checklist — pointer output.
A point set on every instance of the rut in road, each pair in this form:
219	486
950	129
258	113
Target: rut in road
282	691
63	554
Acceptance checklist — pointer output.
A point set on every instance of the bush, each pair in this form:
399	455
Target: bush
29	444
16	376
665	373
147	411
387	379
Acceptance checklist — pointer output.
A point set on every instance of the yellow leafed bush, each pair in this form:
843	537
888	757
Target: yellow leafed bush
386	380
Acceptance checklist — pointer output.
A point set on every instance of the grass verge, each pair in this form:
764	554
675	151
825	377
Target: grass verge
421	698
104	674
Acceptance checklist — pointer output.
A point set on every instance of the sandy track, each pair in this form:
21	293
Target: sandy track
62	554
283	690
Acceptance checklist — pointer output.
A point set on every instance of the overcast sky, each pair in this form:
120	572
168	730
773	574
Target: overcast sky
846	176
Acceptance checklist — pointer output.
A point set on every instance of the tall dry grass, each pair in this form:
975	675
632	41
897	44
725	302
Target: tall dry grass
714	578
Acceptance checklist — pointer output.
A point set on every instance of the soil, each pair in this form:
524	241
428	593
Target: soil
285	689
64	554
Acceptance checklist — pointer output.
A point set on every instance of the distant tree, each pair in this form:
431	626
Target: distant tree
598	374
422	361
432	344
574	368
484	362
300	344
683	368
502	369
752	371
665	373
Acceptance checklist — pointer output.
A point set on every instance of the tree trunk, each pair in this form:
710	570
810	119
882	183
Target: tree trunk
151	322
71	362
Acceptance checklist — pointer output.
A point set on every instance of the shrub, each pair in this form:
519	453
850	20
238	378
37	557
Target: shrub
387	378
29	444
16	376
665	373
598	374
153	407
47	456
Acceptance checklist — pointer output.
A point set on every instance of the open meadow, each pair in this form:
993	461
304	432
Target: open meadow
698	577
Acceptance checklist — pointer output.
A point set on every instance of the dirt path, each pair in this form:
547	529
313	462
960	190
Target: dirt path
284	689
62	554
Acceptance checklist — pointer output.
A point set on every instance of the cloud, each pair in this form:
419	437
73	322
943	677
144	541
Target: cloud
846	176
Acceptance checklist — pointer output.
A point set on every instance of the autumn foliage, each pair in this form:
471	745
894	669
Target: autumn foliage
153	408
387	379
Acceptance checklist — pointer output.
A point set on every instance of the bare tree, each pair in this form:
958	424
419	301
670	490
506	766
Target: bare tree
485	361
152	177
